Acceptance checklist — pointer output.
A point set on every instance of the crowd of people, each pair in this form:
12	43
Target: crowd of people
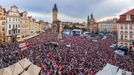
74	55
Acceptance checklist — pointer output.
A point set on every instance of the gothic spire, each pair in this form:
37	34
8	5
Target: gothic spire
91	15
55	7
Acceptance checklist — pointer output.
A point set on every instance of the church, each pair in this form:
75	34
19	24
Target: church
58	26
92	25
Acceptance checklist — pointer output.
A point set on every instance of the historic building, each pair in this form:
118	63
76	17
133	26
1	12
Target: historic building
55	13
39	26
34	26
13	25
25	24
92	25
126	28
2	24
108	25
56	22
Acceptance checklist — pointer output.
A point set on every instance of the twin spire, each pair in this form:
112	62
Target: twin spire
88	18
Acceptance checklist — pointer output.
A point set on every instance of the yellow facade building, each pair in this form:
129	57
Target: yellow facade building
40	26
25	25
2	24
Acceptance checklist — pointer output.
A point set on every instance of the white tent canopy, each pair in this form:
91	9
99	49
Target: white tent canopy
123	72
34	70
25	73
112	70
5	71
16	69
25	63
109	70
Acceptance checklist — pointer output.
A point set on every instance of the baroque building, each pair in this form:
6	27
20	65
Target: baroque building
13	25
25	24
125	26
2	24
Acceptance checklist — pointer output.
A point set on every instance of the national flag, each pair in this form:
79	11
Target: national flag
24	46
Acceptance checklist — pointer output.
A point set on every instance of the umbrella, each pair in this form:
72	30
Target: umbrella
5	71
25	63
34	70
25	73
16	69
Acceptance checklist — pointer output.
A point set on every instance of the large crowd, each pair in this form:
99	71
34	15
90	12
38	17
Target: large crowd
74	55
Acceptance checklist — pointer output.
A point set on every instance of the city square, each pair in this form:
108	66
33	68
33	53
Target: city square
31	46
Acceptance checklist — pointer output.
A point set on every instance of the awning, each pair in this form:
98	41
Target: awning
5	71
16	69
123	72
25	63
25	73
34	70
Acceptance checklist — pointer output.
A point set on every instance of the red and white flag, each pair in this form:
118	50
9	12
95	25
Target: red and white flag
24	46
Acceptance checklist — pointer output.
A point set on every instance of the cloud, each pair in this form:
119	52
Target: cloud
48	17
72	9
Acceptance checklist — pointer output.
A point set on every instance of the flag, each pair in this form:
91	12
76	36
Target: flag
24	46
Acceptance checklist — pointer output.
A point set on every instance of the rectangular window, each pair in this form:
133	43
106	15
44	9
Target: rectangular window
128	17
121	27
19	31
9	31
121	37
9	26
3	29
125	37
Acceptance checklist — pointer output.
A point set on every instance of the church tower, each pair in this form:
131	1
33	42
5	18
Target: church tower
55	13
91	24
88	22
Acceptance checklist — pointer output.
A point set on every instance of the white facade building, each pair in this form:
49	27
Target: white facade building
13	25
126	29
108	25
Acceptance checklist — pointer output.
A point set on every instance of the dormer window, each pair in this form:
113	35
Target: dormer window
128	18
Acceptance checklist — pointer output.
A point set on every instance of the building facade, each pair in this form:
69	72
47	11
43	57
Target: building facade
126	28
108	25
2	24
13	25
25	24
40	26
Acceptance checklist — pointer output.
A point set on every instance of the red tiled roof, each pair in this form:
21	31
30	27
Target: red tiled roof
122	18
131	12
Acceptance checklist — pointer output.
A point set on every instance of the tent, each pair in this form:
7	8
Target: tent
5	71
98	73
123	72
16	69
25	63
34	70
108	70
25	73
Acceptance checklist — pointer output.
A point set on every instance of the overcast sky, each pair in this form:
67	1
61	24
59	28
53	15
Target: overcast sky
71	10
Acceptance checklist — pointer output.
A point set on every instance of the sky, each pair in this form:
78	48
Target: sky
71	10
